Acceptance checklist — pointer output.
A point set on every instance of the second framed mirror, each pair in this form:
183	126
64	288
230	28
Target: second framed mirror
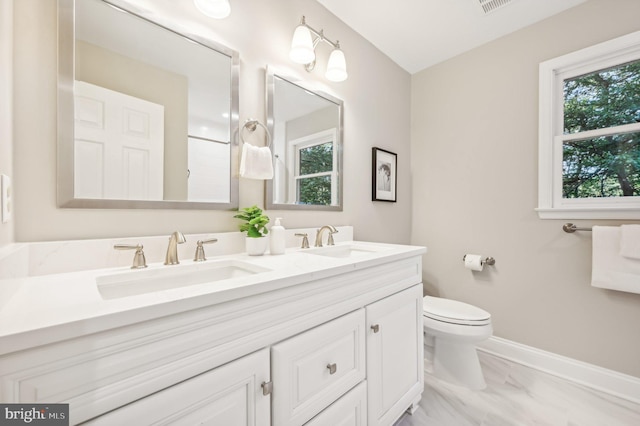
306	128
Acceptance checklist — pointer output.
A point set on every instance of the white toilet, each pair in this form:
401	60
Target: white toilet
451	331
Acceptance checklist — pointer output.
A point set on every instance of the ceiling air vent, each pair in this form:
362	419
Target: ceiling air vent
488	6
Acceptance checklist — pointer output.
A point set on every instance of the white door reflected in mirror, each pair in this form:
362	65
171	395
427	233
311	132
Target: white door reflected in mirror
168	100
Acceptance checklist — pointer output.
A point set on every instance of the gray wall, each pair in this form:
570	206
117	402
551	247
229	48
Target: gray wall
474	147
376	114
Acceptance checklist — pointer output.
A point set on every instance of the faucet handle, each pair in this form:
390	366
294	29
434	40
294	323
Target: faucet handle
199	257
305	240
139	261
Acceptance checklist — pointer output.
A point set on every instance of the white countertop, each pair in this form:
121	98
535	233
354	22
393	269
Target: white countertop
43	309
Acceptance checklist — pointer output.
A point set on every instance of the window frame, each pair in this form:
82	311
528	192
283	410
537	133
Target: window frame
551	204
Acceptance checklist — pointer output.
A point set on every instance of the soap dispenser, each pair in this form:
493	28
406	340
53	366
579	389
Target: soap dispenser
277	240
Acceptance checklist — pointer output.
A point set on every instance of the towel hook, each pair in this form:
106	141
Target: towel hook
252	125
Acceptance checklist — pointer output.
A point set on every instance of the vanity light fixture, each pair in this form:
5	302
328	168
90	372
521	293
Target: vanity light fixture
218	9
303	48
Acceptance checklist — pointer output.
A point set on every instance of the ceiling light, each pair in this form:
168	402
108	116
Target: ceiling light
217	9
303	51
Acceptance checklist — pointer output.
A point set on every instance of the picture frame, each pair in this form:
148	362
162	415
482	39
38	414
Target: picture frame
384	177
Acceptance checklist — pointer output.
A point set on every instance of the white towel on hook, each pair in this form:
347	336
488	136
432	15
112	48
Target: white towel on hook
630	241
256	162
609	269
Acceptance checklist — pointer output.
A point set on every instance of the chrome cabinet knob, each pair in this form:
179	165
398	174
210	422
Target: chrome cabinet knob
375	328
332	368
267	388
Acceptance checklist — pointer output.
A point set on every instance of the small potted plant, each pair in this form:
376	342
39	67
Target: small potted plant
255	225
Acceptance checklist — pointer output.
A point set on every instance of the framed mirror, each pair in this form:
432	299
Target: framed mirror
146	113
306	131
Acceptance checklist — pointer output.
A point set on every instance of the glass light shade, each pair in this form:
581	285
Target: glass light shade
302	46
337	66
217	9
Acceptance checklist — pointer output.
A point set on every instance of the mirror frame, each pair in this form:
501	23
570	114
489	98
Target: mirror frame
65	148
271	75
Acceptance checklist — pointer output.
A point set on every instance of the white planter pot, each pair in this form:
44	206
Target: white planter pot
256	246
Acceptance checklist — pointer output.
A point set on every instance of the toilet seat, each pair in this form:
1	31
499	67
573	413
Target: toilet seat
454	312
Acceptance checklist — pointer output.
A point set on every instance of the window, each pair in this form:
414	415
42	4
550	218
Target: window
589	136
315	169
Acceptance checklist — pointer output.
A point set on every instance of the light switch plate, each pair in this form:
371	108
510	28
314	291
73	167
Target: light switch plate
6	198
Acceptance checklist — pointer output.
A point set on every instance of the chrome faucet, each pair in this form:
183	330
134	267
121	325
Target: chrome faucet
332	230
172	251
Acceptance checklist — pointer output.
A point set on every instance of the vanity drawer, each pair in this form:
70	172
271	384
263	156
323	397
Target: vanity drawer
350	410
313	369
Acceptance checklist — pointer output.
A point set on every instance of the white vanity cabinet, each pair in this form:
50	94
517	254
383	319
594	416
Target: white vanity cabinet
335	347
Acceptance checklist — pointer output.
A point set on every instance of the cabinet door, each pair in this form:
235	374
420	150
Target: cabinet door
395	374
230	395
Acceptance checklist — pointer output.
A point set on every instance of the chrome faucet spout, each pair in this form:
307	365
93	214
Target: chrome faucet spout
172	250
332	230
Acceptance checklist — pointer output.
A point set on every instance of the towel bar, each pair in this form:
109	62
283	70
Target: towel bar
570	228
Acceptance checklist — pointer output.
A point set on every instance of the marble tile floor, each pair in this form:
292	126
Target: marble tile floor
517	395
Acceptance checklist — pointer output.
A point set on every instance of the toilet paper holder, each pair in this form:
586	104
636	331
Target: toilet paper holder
486	261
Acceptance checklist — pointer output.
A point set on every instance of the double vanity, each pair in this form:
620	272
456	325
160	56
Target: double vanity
320	336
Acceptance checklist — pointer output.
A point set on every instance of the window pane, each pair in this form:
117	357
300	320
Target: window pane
605	98
315	190
607	166
316	159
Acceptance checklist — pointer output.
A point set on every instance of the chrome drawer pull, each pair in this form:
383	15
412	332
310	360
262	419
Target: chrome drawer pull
375	328
267	388
332	368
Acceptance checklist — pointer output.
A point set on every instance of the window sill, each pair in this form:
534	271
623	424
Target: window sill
625	213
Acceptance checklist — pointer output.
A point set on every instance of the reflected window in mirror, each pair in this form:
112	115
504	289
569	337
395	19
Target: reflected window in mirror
149	119
315	169
306	128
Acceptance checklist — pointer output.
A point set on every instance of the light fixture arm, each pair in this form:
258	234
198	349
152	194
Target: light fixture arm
319	37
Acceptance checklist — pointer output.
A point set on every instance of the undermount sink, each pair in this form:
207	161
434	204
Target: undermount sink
137	282
351	250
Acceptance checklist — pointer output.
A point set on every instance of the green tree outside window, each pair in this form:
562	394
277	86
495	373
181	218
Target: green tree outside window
315	159
606	165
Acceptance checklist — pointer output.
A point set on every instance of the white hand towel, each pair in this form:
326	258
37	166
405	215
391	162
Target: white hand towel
609	269
256	162
630	241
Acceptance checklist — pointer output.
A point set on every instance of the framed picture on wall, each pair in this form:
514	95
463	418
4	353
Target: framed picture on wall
384	175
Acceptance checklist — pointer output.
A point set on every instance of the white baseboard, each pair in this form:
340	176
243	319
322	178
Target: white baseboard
601	379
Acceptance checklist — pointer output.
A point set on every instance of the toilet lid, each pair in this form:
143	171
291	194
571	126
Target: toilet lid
452	311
